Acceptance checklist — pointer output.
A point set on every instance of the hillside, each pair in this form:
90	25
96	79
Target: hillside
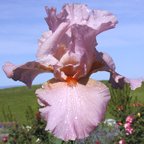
16	101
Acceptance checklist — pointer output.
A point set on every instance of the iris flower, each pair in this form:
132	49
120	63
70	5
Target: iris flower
72	103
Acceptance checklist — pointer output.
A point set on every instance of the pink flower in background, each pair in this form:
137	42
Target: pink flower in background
122	141
119	123
71	103
128	128
128	124
130	119
4	139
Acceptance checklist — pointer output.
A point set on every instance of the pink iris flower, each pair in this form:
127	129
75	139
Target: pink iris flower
129	119
71	103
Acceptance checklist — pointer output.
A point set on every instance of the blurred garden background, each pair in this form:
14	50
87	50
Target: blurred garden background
20	120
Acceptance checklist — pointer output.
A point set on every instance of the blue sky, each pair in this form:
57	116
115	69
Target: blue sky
22	23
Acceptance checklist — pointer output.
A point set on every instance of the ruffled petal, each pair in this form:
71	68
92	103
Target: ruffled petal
81	15
118	81
53	19
77	13
73	109
134	83
95	19
108	61
101	21
50	42
8	68
104	62
25	73
71	41
82	53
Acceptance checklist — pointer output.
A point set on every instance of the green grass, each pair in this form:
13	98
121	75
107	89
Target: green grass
18	99
139	92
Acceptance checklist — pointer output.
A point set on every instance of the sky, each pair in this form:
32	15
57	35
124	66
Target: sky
22	23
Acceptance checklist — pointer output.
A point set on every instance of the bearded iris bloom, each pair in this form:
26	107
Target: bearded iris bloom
72	103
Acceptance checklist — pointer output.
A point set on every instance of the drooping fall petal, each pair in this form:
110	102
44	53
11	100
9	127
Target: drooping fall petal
8	68
103	62
73	109
134	83
25	73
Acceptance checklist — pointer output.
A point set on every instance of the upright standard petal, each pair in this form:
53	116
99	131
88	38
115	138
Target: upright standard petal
80	14
81	54
73	109
96	19
71	42
53	19
101	21
51	41
25	73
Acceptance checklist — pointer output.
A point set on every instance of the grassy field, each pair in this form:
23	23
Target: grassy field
17	100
